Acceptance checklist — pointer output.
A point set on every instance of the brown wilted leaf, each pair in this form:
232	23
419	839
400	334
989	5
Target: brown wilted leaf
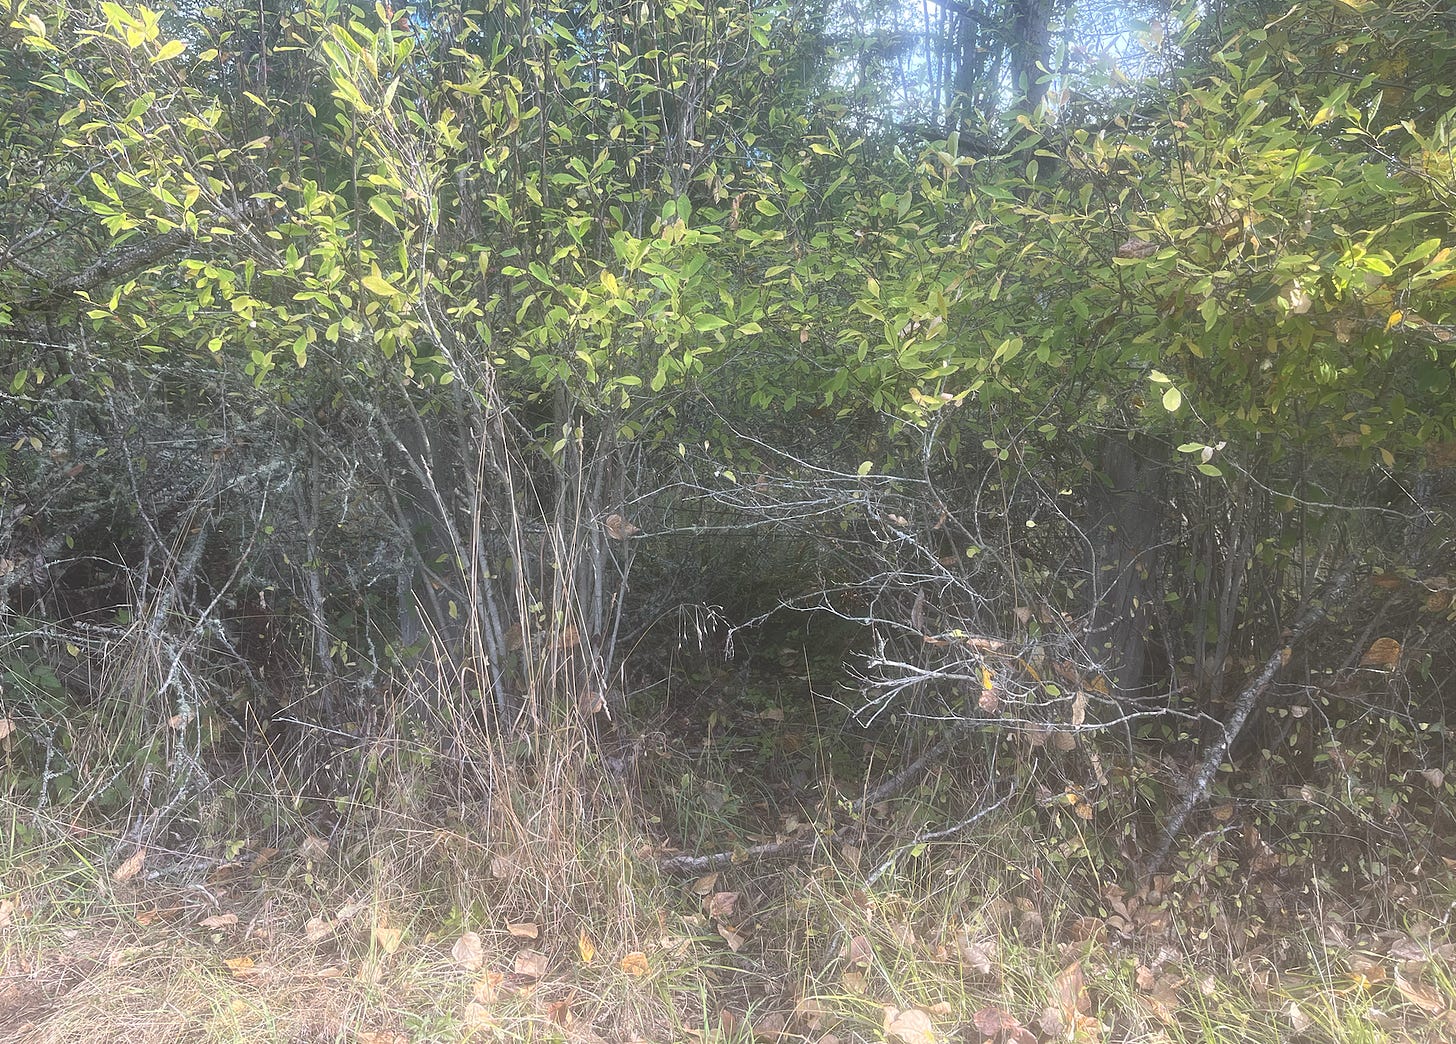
771	1027
720	905
504	867
734	940
224	920
532	964
559	1012
524	929
1383	654
7	910
854	982
477	1016
618	528
7	726
858	951
635	964
487	987
313	847
387	938
911	1026
977	955
704	885
991	1022
317	929
130	867
468	953
1418	993
1136	248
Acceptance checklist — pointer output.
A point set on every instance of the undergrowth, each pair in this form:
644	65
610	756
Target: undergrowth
443	881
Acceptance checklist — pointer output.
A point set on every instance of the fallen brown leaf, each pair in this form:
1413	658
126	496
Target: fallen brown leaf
468	953
532	963
911	1026
223	920
720	904
524	929
635	963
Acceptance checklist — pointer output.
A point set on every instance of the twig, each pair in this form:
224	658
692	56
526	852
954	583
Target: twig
937	835
687	864
1243	707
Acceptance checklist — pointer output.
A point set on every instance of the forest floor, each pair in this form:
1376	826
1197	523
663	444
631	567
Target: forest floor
400	918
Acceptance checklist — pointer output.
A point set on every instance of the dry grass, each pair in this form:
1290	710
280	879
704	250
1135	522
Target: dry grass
476	888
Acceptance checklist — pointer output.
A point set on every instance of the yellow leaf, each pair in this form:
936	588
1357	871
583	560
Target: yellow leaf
129	869
388	939
170	49
585	947
241	967
376	283
1395	318
635	963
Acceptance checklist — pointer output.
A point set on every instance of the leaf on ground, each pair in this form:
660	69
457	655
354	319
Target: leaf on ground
704	885
635	963
387	938
314	847
720	905
559	1012
772	1027
468	953
477	1016
241	967
858	951
854	982
130	867
317	929
1418	993
732	937
532	964
223	920
487	988
7	910
991	1022
524	929
911	1026
585	947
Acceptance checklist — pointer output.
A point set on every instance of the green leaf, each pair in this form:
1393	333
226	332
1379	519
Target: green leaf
704	323
381	206
1211	470
1172	399
169	50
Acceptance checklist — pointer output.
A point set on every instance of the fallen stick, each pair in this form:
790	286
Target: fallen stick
701	864
1243	707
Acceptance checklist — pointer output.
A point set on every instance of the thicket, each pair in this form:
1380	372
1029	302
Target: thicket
371	371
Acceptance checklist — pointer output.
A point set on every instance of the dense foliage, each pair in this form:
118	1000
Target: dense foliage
1066	360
